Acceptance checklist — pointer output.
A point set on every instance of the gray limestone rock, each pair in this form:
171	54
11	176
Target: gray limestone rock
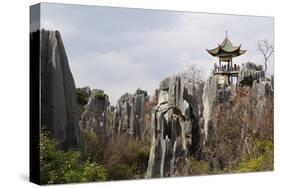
250	72
197	119
174	122
58	93
234	117
129	114
95	117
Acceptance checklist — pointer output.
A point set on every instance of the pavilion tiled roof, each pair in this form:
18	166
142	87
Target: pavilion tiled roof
226	49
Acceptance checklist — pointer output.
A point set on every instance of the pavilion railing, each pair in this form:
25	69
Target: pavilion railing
226	68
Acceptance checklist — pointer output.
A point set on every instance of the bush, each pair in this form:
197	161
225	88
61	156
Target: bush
119	171
196	167
64	166
125	158
91	146
82	99
261	161
99	94
82	96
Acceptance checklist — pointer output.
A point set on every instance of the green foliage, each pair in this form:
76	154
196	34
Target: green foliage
119	171
99	94
261	161
140	156
64	166
196	167
82	97
94	172
90	146
125	158
122	157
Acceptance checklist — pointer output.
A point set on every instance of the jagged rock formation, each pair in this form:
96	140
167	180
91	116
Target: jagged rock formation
95	117
58	97
175	125
238	122
250	72
209	95
187	118
235	118
212	95
209	123
130	114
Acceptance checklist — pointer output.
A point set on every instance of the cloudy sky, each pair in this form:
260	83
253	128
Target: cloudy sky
120	49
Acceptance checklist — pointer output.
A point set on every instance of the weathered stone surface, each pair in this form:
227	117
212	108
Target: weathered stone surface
208	97
250	72
95	117
174	122
237	123
207	122
260	101
58	94
234	118
129	115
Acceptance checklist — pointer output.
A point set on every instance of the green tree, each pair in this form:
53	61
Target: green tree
65	167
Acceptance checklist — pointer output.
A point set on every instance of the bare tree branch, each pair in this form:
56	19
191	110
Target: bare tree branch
266	50
194	72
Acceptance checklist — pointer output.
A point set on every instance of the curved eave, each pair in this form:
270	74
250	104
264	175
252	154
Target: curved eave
242	51
214	51
221	52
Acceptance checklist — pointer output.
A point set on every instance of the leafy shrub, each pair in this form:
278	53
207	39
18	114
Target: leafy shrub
82	96
125	158
261	161
140	156
64	166
119	171
90	146
82	99
99	94
196	167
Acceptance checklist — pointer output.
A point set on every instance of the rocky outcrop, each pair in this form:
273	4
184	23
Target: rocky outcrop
58	95
237	123
213	95
209	95
175	125
234	118
130	114
250	72
210	123
95	117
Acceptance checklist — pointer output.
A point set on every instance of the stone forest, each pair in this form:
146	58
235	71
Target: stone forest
187	127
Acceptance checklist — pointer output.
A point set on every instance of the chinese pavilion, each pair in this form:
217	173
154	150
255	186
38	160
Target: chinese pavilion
226	69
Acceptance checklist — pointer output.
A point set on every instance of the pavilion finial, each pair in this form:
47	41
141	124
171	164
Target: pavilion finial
226	33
